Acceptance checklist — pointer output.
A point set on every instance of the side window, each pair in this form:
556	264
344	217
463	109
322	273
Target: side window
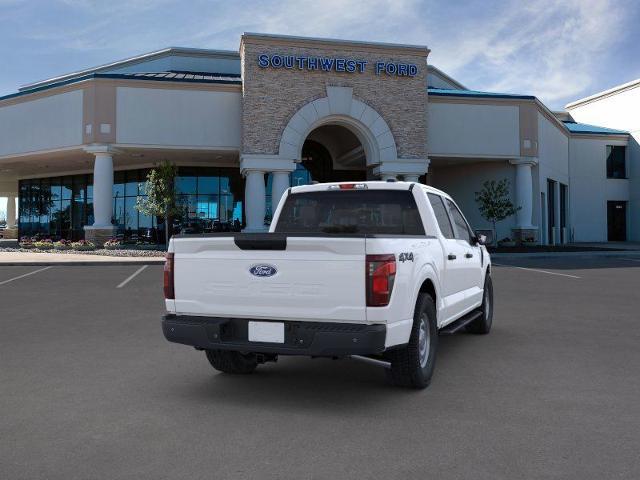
441	215
460	224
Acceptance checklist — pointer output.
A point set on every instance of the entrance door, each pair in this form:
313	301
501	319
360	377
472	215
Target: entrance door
617	221
551	211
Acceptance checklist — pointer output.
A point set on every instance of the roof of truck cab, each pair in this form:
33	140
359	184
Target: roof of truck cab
373	185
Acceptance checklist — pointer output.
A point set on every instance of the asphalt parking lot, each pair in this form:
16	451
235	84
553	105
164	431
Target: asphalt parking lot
89	388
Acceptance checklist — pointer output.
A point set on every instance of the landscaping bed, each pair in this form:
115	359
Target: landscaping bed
100	251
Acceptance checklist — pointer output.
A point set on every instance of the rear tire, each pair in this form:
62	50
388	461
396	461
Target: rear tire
232	362
482	325
412	366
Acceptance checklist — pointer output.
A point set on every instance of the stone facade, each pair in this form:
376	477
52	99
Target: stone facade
272	96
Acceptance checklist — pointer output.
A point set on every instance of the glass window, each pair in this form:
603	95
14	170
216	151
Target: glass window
67	188
79	187
616	164
118	213
441	215
118	184
207	185
90	186
186	184
130	214
351	211
460	224
131	184
226	206
62	206
54	186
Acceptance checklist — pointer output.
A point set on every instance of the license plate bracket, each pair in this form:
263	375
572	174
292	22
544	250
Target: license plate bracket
266	332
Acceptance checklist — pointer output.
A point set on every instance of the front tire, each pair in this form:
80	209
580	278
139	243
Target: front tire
232	362
412	366
482	325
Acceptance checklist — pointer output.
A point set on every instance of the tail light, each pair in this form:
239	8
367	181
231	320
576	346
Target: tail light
381	273
169	292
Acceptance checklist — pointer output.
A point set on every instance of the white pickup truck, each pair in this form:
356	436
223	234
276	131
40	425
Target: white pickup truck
374	269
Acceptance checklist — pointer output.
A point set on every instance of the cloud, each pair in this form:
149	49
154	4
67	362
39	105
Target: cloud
550	49
557	50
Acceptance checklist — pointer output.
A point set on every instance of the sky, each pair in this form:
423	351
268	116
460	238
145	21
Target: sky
557	50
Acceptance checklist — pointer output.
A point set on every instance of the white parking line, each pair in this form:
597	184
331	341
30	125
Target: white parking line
132	276
536	270
25	275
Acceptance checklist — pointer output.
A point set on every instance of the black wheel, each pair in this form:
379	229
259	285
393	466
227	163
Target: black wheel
232	362
482	325
412	366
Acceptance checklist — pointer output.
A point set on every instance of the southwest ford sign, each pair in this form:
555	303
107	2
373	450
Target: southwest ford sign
334	64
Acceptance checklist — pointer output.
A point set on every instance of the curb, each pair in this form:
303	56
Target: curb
593	253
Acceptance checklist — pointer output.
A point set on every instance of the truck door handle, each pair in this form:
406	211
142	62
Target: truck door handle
451	256
468	255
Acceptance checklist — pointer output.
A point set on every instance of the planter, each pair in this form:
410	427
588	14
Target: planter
43	245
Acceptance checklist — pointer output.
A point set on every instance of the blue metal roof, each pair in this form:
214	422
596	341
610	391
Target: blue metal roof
188	77
575	127
445	92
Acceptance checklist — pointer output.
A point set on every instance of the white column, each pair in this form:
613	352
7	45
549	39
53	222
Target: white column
254	200
11	212
279	185
103	190
408	168
524	193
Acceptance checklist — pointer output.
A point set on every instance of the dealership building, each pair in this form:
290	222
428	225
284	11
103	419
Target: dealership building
244	126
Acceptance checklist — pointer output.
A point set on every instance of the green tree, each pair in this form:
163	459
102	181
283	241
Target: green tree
161	198
494	202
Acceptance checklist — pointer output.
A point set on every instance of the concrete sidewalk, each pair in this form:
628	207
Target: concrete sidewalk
33	258
593	253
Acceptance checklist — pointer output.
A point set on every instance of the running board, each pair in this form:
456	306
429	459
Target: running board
459	324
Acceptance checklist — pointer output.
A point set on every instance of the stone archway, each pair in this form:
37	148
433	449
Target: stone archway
340	108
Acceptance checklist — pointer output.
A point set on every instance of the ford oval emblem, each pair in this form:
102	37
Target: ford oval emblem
263	270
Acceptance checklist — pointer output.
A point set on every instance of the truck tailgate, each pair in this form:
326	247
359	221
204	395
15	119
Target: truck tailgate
284	277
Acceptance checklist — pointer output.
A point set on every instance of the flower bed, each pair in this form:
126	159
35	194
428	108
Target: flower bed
83	245
113	244
62	245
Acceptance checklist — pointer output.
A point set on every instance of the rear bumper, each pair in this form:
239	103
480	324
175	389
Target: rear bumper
322	339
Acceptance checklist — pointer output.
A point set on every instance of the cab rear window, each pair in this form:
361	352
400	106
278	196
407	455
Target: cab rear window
391	212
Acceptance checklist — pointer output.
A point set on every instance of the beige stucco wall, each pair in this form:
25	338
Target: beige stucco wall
54	121
271	96
178	117
467	129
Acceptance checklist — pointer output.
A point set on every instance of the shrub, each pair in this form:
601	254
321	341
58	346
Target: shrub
146	246
83	245
113	244
62	245
46	244
26	242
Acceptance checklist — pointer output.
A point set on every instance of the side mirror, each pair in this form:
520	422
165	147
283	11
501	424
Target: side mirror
480	239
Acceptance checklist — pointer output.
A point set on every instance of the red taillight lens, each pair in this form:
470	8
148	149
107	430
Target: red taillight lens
381	273
169	293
